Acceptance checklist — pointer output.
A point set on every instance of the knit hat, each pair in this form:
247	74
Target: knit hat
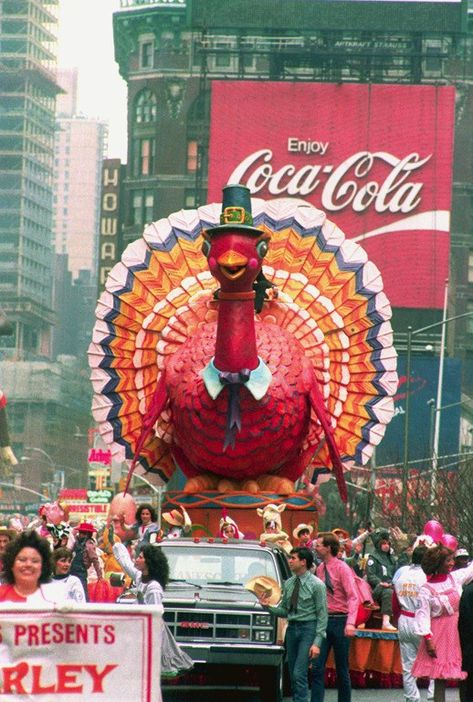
379	535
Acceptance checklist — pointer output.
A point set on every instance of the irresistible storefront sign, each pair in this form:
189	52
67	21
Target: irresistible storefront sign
377	159
105	653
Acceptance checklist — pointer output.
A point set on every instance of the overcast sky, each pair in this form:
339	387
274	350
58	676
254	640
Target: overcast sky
86	41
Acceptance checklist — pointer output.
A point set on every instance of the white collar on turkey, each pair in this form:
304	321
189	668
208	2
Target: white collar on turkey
258	383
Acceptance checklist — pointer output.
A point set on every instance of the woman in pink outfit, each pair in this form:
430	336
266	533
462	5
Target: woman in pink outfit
436	620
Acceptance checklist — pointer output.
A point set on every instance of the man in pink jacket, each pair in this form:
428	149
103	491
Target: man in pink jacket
342	603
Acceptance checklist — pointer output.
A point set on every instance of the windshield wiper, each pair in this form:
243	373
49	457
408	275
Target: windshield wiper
222	582
187	582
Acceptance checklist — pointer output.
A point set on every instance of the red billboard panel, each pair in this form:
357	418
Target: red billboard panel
377	159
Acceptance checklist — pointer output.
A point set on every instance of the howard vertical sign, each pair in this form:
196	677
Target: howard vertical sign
110	225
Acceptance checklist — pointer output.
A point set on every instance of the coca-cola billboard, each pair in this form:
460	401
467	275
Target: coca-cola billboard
376	158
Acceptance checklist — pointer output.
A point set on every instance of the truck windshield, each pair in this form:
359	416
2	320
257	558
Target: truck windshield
219	565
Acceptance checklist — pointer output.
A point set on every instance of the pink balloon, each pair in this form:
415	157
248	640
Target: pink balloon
449	541
434	529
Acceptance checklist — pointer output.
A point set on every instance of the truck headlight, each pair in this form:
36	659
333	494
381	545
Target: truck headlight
262	636
262	620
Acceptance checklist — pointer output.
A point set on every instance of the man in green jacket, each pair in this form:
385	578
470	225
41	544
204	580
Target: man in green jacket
304	604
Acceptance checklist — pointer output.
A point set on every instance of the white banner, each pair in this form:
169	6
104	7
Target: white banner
104	653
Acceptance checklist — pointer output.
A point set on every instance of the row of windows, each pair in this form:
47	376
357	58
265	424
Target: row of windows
144	156
143	205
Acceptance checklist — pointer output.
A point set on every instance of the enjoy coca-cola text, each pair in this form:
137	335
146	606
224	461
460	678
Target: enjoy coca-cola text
345	185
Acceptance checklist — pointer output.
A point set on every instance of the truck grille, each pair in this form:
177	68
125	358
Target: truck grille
204	625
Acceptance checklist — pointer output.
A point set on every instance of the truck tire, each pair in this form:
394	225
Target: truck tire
271	684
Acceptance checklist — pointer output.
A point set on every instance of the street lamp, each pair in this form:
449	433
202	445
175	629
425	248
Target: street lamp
25	489
43	452
436	435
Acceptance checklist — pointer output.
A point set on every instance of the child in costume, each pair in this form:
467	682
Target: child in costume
177	523
302	535
228	528
272	524
85	555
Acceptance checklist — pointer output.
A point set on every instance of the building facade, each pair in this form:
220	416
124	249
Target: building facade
171	53
27	96
80	144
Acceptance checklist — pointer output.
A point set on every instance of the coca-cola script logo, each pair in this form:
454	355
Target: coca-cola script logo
345	185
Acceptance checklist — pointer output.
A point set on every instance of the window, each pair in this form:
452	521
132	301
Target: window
192	156
147	54
433	56
146	107
470	267
142	207
469	320
143	156
222	58
190	199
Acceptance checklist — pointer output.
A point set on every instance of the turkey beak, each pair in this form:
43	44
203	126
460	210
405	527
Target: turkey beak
232	264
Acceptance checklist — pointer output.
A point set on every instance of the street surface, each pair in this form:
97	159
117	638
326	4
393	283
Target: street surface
378	695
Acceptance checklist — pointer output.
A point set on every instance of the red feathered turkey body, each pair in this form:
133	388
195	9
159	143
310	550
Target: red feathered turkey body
273	429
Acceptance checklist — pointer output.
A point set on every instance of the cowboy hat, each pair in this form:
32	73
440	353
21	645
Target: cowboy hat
178	518
341	533
302	527
262	584
11	533
86	527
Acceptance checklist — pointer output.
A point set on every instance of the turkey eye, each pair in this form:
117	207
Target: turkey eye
262	249
206	248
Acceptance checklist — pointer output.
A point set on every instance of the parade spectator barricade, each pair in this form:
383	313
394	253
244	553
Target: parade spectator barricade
374	660
105	653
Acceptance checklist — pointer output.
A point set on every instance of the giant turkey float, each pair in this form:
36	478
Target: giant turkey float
247	344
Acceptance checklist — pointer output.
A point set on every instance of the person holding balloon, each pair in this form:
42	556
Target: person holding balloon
436	619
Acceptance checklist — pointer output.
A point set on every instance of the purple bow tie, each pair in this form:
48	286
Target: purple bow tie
233	425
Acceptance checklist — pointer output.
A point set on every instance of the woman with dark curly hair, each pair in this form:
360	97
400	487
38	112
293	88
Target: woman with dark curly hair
145	529
150	574
436	620
27	571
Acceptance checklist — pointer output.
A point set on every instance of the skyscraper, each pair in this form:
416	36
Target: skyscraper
27	95
79	152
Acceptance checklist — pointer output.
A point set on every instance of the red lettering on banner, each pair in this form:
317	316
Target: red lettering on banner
13	677
36	687
60	633
97	678
67	678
